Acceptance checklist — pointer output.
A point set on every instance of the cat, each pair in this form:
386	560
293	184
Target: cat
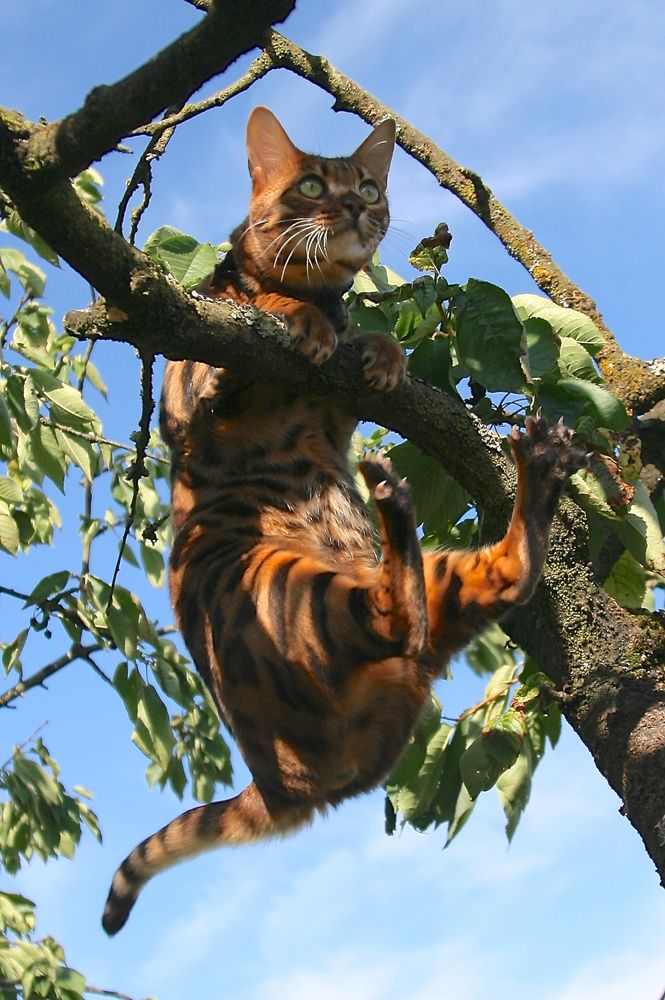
320	654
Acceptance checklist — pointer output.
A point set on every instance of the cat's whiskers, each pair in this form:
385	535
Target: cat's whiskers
303	237
297	224
301	233
313	245
252	225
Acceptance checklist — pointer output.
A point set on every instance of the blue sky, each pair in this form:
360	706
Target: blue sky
560	109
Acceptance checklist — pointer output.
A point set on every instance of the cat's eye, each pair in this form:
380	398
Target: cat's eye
369	192
311	186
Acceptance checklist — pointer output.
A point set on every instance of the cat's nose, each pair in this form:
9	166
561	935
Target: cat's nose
354	205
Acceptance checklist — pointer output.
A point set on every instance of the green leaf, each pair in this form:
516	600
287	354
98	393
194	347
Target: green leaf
79	451
12	652
9	536
490	337
48	454
54	583
31	277
154	716
543	347
439	498
626	582
182	256
431	361
69	979
490	650
575	361
9	491
67	401
153	563
5	283
572	399
641	532
5	423
609	411
17	227
514	788
564	322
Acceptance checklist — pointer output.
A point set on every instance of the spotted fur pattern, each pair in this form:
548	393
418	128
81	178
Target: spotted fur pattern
319	653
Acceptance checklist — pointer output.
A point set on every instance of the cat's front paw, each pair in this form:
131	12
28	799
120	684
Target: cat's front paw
312	333
384	363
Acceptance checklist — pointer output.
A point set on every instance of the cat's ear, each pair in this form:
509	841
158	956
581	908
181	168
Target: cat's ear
268	146
376	152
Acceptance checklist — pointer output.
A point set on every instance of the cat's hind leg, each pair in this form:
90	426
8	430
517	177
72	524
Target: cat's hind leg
466	590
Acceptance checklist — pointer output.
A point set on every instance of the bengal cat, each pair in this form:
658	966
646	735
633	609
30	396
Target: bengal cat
319	653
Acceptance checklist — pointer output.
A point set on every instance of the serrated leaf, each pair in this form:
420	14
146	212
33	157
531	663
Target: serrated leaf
565	322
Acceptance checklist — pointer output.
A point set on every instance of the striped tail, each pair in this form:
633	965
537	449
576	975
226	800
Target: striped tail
240	820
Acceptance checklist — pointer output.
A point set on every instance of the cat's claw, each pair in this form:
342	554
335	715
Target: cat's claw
548	452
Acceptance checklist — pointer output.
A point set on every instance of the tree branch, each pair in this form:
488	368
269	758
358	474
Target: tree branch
75	652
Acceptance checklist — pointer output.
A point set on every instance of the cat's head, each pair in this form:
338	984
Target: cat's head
315	221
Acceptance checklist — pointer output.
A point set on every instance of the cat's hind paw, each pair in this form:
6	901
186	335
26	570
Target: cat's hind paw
547	452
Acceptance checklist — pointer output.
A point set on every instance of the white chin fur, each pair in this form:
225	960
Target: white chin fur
348	246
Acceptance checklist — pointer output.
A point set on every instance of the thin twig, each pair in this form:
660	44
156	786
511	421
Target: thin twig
137	469
142	177
10	592
258	68
97	439
75	652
